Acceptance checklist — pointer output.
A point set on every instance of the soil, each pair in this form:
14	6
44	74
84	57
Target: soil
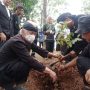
69	79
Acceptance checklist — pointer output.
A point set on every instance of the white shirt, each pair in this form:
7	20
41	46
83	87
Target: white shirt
8	12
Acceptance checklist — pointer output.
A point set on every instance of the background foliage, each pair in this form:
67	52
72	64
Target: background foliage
27	4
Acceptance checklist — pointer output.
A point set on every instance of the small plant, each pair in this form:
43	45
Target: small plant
64	36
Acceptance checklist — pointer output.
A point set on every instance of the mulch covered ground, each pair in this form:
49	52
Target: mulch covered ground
67	80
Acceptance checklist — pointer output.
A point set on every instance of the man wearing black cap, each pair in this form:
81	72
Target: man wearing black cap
78	44
83	60
15	60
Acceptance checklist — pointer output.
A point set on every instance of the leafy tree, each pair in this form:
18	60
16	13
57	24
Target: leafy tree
86	6
27	4
46	7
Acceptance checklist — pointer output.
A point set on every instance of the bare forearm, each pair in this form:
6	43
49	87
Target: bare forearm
51	73
52	55
71	64
47	70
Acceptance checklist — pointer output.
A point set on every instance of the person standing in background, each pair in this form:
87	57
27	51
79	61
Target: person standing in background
36	38
41	38
6	25
35	42
19	11
49	31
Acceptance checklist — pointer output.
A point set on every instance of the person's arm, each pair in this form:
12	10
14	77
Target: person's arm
53	32
42	52
87	76
22	53
45	30
68	65
51	73
71	63
79	46
71	54
86	52
52	55
2	37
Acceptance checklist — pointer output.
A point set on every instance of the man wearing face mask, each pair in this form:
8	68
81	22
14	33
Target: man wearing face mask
15	59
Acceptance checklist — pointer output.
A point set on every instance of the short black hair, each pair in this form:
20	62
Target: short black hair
64	16
18	7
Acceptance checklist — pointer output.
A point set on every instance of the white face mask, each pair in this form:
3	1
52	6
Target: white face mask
30	38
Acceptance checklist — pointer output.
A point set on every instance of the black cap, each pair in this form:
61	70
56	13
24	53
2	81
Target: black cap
19	6
84	24
63	17
30	27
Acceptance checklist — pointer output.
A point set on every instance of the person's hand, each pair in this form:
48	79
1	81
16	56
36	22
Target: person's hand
2	37
73	54
51	73
87	76
52	55
61	57
61	67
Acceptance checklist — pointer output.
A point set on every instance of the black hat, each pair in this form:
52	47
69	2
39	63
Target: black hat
63	17
30	27
84	24
19	6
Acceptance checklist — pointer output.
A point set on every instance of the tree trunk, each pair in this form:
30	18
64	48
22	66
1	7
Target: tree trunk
44	11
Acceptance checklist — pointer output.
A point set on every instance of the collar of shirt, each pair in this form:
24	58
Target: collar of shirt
8	12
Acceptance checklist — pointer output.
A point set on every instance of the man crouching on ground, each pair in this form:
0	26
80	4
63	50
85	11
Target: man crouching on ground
15	59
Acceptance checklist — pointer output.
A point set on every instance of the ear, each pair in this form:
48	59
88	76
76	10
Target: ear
22	31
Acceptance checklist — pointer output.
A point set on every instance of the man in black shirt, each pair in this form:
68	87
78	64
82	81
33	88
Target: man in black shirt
15	59
83	60
49	32
79	43
19	11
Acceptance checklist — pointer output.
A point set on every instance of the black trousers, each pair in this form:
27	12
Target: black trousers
50	46
15	72
83	64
